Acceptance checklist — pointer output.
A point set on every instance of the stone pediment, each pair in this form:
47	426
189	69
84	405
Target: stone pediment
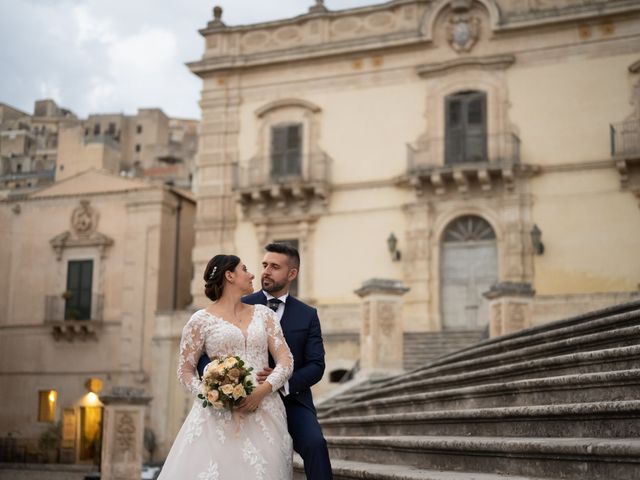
69	240
91	182
83	233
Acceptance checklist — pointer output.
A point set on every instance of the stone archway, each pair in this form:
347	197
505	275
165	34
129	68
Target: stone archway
468	268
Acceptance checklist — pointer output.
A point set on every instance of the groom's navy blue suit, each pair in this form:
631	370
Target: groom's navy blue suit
301	328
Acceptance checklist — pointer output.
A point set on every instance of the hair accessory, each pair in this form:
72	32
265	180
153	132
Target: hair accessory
213	272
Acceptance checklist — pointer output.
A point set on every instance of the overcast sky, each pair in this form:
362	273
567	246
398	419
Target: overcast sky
108	56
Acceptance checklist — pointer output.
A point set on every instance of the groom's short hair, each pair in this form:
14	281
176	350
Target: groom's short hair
286	249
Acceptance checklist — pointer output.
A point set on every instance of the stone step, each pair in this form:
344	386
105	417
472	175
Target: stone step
538	342
348	470
591	387
619	337
583	325
616	419
566	458
438	378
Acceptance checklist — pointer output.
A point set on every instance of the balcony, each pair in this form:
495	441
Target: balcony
260	192
625	150
74	322
108	140
46	175
625	138
491	161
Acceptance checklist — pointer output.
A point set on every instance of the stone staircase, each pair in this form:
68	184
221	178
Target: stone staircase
559	401
422	348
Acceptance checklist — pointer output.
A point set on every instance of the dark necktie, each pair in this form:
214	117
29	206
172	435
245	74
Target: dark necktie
274	303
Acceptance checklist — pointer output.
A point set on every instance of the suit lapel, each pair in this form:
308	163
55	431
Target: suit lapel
288	314
255	298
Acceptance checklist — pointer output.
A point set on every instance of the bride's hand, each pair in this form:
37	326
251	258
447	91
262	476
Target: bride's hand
252	402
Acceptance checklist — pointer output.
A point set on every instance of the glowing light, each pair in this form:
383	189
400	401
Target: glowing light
53	396
92	397
94	385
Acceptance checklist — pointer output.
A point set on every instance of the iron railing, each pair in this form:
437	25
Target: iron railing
57	309
625	138
497	148
106	139
312	169
43	175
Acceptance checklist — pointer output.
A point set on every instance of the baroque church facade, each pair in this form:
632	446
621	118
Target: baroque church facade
469	150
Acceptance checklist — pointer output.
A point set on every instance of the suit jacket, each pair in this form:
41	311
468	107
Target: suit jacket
301	328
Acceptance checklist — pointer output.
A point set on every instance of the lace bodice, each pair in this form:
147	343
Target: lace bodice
207	333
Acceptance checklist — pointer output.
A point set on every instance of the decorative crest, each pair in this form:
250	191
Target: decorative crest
84	219
463	32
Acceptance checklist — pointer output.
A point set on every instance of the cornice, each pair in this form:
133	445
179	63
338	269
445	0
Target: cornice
406	24
496	62
305	17
577	13
231	63
287	102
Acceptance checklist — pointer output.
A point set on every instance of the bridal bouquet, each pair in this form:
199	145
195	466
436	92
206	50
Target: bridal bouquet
225	383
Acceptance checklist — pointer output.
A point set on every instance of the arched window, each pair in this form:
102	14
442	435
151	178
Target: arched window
468	268
466	127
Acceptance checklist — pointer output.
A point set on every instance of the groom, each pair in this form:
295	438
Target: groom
301	328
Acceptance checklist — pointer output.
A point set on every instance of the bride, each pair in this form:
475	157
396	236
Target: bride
253	442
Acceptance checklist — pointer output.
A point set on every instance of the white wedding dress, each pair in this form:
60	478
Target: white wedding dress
213	444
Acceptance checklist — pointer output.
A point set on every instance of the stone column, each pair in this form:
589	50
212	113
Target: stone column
122	433
381	332
510	307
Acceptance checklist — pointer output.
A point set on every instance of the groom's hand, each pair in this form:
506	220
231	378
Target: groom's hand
262	375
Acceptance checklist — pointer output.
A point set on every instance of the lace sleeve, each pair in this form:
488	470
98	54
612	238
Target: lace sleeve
279	351
191	347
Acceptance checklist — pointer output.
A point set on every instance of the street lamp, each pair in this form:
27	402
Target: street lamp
536	240
392	245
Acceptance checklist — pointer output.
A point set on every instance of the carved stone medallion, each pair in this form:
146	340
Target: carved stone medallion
84	219
463	32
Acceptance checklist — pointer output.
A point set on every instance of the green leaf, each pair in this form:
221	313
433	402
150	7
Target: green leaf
200	396
204	404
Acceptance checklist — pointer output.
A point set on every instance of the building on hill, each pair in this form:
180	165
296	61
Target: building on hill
53	144
87	262
29	145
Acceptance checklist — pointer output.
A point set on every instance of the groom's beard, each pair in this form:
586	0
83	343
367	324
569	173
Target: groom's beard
270	286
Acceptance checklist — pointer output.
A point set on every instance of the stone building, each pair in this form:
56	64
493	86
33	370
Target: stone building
86	263
54	144
459	147
29	145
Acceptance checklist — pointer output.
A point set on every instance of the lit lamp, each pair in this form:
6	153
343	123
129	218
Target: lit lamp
536	240
94	386
392	245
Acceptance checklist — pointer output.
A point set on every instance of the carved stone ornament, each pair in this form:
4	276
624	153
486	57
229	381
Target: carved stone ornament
386	317
463	32
83	233
125	441
84	219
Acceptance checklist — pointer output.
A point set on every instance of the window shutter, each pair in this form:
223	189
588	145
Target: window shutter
278	150
465	124
79	287
286	150
475	138
454	131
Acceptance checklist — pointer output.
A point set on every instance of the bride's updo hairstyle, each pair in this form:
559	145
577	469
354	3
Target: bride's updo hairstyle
214	274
